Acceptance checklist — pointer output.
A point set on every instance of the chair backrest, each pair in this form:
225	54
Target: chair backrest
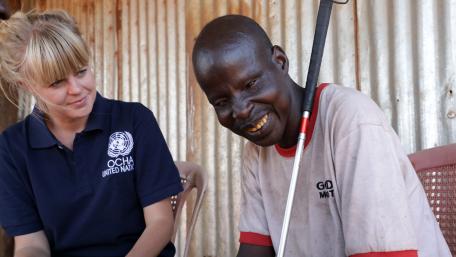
436	168
192	177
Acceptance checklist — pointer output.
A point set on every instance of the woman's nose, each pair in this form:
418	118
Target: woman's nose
74	86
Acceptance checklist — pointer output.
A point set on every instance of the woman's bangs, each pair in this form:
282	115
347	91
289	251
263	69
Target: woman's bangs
52	55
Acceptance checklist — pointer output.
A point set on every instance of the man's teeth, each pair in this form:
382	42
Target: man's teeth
259	125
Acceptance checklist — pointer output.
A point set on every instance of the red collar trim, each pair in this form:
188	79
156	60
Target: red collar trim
286	152
290	152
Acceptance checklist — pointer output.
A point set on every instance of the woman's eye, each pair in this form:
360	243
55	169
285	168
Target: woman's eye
81	72
56	83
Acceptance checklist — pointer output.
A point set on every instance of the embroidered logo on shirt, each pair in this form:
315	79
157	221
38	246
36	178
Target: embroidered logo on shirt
325	188
120	143
119	149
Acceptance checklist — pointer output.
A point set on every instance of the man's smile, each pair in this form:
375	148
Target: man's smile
259	124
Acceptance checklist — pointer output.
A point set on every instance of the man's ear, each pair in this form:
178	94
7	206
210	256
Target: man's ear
280	58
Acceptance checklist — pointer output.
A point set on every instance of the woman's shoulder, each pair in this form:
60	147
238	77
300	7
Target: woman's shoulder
16	131
119	109
124	106
14	139
123	112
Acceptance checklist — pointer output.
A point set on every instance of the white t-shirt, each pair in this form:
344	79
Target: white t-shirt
357	193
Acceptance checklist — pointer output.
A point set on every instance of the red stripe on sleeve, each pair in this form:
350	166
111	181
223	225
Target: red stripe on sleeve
255	239
407	253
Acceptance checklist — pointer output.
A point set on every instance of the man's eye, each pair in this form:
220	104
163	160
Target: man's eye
220	103
251	84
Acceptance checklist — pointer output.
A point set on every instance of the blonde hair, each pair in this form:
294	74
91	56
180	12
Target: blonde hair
38	48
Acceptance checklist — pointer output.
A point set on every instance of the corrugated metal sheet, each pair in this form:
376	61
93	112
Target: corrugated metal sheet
408	59
400	52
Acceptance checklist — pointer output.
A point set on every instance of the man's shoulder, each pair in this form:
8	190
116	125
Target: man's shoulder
337	92
348	101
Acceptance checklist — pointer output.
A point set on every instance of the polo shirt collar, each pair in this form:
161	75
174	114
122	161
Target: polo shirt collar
39	134
99	118
41	137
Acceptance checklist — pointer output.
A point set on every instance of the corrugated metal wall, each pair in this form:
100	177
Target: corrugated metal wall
400	52
407	55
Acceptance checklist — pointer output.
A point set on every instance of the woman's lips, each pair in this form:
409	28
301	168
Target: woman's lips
79	103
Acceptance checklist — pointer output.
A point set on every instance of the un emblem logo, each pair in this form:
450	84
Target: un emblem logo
120	143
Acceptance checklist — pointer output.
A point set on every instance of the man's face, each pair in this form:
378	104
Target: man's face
248	90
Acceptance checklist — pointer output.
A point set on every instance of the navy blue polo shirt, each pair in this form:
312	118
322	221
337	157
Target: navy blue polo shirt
89	201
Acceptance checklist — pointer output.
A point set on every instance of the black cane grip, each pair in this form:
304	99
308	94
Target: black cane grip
321	29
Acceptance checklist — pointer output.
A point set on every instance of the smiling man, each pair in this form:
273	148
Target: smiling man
357	194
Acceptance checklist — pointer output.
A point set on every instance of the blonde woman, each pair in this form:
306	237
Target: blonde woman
82	175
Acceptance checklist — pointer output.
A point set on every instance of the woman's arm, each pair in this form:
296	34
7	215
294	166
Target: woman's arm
159	228
32	245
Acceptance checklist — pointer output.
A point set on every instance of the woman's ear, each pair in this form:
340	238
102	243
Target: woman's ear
280	58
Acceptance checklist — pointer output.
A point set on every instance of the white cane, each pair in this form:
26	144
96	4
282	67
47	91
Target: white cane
321	29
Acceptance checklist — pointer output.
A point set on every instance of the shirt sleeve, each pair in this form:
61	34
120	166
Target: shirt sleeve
18	215
253	225
375	215
157	176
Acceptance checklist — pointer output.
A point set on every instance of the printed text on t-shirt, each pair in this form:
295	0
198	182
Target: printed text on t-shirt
325	189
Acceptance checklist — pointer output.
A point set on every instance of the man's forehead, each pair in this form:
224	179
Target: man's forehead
231	61
222	79
232	51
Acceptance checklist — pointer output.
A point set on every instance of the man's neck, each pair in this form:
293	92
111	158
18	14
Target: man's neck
294	120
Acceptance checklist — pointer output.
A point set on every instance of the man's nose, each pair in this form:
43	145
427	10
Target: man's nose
242	109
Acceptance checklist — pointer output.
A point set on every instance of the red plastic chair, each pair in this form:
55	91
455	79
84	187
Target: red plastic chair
436	168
